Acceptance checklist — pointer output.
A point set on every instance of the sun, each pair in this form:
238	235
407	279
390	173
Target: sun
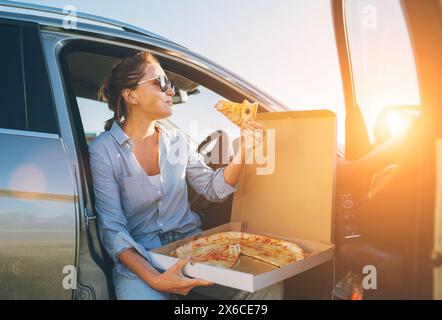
398	123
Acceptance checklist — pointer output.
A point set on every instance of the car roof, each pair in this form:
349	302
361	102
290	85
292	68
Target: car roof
56	18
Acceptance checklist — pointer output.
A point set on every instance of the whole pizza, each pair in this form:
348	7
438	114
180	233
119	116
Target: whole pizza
224	249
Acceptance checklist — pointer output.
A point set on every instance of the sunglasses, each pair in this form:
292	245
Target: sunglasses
162	81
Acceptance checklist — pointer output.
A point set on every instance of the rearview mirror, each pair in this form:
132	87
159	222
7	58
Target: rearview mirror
180	97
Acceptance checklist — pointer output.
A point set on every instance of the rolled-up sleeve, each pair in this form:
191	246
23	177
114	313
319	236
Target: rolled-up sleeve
205	181
112	222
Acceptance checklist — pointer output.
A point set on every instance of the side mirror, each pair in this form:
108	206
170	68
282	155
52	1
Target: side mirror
394	121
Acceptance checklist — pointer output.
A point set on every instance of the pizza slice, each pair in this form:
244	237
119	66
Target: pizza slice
204	250
218	258
272	254
238	113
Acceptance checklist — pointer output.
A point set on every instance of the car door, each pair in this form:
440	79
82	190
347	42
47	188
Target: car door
38	200
382	210
425	23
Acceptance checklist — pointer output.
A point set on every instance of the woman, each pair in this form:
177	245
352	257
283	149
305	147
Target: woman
140	185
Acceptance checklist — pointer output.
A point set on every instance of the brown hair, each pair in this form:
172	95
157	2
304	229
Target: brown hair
125	75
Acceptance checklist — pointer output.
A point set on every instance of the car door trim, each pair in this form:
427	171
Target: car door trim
26	133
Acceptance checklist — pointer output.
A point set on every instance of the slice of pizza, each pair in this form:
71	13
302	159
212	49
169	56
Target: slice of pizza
272	254
276	252
204	250
238	113
218	258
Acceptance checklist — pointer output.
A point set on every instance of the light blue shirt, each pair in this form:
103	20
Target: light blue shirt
132	207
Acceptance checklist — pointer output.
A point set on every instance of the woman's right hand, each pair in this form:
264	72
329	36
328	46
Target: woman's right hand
173	280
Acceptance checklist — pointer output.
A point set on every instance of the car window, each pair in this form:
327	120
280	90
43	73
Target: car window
198	118
25	94
39	100
12	100
93	116
384	72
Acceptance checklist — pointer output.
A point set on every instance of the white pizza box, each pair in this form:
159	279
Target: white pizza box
292	200
249	276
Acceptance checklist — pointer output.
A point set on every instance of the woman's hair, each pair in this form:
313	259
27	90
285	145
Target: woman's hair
125	75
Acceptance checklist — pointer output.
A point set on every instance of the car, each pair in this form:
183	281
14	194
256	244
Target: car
387	202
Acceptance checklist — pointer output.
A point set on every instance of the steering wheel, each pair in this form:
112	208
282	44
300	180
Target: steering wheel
215	149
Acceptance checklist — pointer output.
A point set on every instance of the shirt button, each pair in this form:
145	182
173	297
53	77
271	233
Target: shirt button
160	224
159	192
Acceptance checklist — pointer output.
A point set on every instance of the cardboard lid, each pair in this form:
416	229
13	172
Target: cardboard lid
290	191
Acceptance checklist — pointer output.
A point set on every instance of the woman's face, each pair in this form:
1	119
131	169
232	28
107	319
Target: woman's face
150	100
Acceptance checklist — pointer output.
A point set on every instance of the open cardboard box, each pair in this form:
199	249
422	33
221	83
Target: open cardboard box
292	200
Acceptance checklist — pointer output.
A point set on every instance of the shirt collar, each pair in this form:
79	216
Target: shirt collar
118	133
121	137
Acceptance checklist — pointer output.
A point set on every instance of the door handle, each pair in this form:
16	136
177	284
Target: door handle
87	217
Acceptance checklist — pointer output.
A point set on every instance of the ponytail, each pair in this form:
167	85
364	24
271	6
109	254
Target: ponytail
109	122
103	95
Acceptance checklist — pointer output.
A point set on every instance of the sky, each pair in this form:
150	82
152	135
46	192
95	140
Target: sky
285	47
266	42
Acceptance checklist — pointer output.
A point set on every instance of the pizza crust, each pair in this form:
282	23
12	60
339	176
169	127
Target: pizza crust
216	249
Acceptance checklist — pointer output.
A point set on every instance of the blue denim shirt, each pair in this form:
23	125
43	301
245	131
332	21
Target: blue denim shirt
134	208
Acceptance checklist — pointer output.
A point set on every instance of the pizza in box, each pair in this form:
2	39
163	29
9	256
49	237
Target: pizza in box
225	249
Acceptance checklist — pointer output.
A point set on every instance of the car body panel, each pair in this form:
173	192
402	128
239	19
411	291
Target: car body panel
37	217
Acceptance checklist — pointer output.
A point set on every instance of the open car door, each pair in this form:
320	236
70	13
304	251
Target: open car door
387	202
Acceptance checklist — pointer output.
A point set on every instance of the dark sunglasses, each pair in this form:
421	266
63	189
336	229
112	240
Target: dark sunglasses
162	81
